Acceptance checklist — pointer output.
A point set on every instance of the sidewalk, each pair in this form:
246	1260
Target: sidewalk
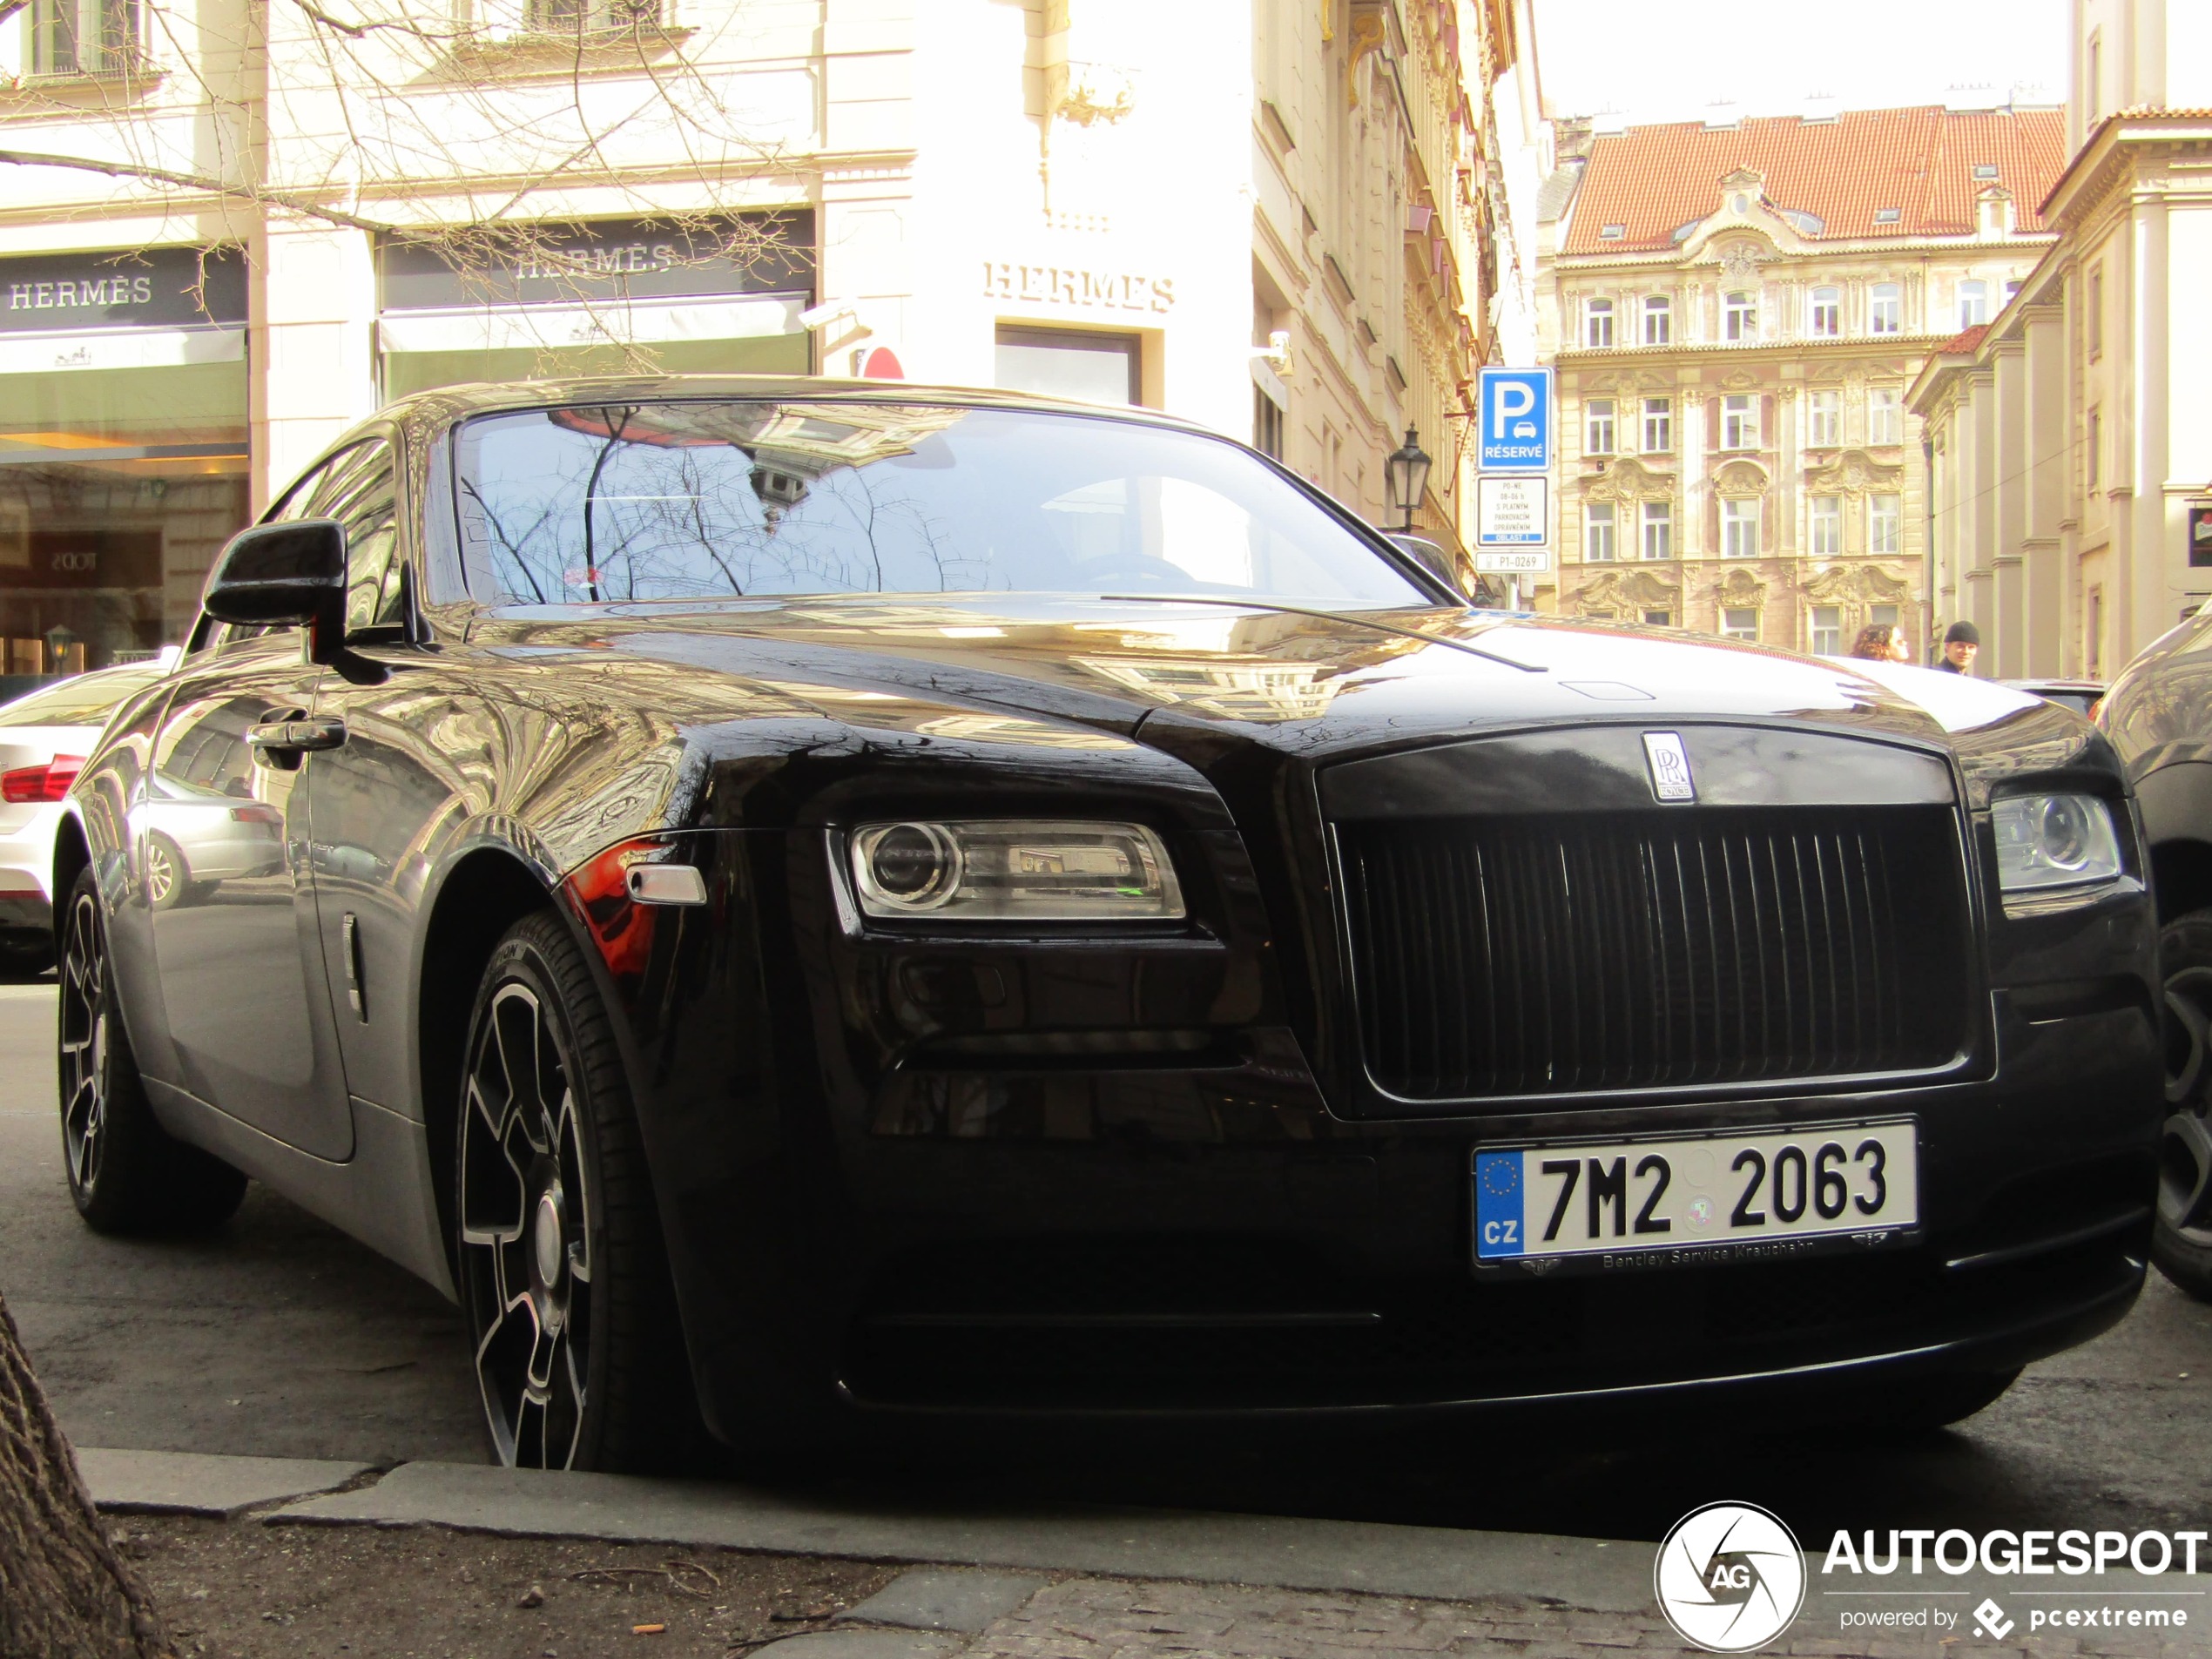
255	1557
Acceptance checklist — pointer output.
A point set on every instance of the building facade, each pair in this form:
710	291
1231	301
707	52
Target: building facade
1735	309
1275	217
2071	440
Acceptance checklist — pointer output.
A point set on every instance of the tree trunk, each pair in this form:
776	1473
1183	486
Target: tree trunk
64	1594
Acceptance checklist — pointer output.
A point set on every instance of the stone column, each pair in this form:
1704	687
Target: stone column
2007	652
311	323
2047	609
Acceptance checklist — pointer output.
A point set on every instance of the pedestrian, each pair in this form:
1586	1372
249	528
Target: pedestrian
1882	642
1960	642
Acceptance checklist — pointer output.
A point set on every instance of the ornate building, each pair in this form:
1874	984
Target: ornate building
1735	310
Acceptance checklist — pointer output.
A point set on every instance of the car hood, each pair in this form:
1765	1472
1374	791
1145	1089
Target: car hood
1299	680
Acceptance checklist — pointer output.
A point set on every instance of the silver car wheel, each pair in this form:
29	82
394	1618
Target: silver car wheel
526	1227
84	1041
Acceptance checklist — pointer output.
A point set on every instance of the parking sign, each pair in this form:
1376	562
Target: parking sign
1516	420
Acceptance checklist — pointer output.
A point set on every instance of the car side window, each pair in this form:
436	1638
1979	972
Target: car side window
362	494
297	499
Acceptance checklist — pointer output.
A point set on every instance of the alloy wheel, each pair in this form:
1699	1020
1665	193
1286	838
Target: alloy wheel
2185	1161
161	874
526	1230
83	1039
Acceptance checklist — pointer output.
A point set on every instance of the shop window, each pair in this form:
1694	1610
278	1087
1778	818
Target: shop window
1597	533
84	37
1598	427
1740	317
1826	319
1658	319
1885	518
1069	363
1740	528
1827	526
1824	422
1827	630
1885	309
1658	426
1658	529
1740	622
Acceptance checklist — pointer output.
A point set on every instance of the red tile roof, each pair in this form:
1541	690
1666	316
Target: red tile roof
1652	180
1963	341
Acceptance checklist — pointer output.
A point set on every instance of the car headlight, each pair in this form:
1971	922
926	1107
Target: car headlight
2053	841
1014	870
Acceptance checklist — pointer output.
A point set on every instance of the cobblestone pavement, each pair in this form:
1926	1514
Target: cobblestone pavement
1114	1619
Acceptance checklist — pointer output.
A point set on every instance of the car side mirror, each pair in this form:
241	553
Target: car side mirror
284	576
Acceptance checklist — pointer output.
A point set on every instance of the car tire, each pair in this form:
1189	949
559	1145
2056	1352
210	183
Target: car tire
126	1173
168	877
573	1326
1928	1403
2181	1241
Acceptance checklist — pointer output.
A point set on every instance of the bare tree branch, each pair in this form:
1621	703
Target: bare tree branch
213	186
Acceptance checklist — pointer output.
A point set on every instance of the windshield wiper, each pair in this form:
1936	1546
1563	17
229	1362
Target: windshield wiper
1326	615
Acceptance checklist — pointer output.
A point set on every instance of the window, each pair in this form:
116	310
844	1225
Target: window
1882	616
1827	523
588	17
1658	618
1739	422
1597	427
1885	309
2011	288
1597	324
2096	312
1740	528
1058	363
1658	426
1888	215
1597	533
1658	529
1973	303
1740	317
1827	630
2092	92
1658	319
1882	522
2093	447
1740	624
1611	232
1884	415
709	498
1985	169
1827	318
1825	420
1267	425
84	37
2093	631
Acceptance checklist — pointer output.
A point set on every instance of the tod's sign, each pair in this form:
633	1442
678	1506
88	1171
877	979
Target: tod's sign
156	287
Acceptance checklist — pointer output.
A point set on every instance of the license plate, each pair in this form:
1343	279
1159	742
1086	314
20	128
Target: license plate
1725	1193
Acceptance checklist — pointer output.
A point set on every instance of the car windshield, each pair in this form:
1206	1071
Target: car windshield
691	501
82	699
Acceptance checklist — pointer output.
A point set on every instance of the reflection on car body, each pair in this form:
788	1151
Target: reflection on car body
824	902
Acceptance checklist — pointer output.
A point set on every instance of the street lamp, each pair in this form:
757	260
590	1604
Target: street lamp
1408	472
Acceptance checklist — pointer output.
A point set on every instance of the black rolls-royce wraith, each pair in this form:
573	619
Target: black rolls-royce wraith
797	901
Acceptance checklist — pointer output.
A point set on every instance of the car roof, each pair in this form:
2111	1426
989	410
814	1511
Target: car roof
449	403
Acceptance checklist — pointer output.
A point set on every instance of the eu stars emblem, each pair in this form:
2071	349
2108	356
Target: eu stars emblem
1500	1174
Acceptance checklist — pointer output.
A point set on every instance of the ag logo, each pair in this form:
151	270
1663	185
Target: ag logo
1729	1577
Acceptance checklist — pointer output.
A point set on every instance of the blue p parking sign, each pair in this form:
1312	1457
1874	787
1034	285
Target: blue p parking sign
1516	420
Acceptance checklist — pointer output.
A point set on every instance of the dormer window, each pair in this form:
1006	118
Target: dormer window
1888	215
1611	232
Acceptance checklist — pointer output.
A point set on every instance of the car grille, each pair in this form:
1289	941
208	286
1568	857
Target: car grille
1644	950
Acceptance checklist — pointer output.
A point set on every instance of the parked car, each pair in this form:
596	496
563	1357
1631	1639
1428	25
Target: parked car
44	736
836	902
2080	696
2159	716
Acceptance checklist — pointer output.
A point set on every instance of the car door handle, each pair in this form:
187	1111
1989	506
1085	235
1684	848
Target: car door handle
297	734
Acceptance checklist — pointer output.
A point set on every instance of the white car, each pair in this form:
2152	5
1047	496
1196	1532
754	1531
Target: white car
44	737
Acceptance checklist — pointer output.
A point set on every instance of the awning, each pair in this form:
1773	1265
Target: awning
541	328
120	349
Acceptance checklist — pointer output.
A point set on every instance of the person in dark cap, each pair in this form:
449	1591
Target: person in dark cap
1960	641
